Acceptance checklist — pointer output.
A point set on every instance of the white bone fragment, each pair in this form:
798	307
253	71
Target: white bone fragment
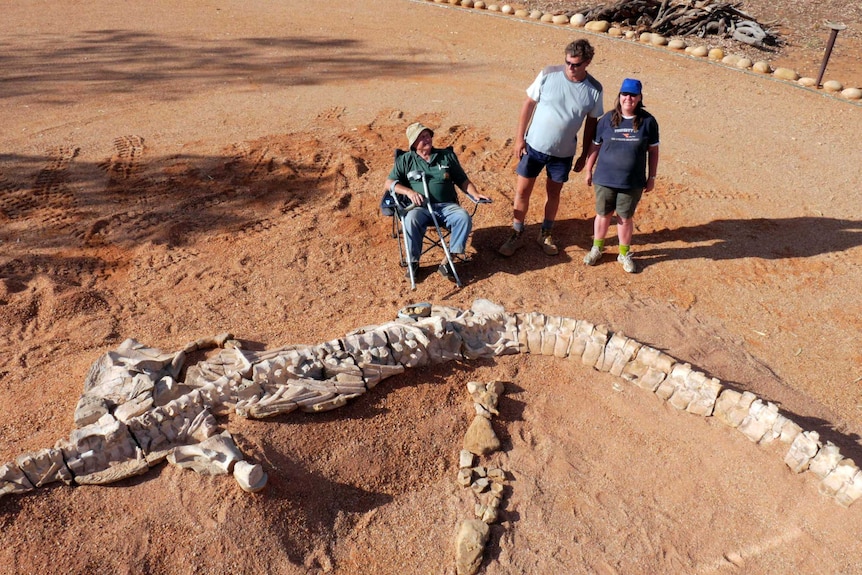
480	485
565	336
465	477
487	336
485	403
648	368
474	386
825	461
804	447
736	414
496	474
836	479
251	477
480	409
115	469
530	328
549	335
727	399
470	545
850	491
328	404
490	515
465	459
43	467
496	387
788	431
594	349
13	480
706	390
408	343
133	408
758	424
215	455
313	398
582	332
480	437
374	374
618	352
629	351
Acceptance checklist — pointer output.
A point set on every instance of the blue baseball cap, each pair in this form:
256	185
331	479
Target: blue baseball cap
631	86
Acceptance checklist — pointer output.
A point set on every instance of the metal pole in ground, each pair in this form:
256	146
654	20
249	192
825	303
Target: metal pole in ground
835	28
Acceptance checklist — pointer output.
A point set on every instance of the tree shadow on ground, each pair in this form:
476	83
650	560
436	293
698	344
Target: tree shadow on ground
169	68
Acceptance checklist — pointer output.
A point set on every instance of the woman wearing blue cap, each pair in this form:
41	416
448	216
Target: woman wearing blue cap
624	153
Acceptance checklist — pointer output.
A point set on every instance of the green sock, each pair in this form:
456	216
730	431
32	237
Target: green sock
624	250
599	243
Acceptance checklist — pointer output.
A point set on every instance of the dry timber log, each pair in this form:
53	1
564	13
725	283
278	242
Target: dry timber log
686	18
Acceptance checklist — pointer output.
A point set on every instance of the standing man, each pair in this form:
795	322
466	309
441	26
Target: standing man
560	99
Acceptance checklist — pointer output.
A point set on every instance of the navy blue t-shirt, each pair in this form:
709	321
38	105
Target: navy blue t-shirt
623	156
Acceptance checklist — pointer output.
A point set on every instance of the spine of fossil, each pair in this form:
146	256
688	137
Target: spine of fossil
134	413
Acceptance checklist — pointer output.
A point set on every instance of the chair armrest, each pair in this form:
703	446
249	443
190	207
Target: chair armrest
478	200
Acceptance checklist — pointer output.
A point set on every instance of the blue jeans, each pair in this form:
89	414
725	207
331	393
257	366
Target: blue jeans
449	215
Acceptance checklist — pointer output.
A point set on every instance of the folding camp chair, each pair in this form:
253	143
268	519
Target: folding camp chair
397	206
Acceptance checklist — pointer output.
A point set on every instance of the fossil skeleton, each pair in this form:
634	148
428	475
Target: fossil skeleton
134	412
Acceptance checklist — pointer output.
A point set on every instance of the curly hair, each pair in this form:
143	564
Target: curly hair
580	49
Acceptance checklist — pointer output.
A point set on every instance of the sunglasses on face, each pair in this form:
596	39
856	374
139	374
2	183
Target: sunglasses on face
629	94
576	64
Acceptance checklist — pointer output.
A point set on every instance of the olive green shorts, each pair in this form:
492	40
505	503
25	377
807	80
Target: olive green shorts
623	202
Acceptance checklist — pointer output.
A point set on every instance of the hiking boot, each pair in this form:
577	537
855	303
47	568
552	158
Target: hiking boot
547	242
593	256
415	266
513	244
628	263
445	270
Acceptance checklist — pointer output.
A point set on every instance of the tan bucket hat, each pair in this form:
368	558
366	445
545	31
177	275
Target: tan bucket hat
413	131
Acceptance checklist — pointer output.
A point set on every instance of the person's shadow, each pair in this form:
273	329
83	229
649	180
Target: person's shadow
764	238
486	241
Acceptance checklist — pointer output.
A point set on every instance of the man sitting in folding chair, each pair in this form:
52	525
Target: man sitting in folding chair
427	177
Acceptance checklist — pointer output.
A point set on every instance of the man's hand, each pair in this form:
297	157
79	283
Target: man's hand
520	149
579	163
415	197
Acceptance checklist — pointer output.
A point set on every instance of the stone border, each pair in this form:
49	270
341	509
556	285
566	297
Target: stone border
830	88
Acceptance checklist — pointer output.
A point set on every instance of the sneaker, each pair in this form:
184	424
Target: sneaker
415	266
514	243
628	263
547	242
593	257
446	271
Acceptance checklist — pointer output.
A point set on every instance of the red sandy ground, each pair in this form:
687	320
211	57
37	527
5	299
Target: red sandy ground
170	171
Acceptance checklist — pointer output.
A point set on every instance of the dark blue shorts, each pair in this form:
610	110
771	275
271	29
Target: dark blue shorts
533	162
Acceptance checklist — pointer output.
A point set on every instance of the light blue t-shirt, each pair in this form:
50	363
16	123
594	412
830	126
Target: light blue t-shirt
561	108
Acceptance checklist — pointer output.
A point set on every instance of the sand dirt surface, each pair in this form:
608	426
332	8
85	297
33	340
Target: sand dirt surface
170	171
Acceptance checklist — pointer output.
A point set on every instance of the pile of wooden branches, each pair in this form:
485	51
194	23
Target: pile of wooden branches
686	18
